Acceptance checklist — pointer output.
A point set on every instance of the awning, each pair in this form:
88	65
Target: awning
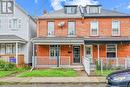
11	39
57	40
107	40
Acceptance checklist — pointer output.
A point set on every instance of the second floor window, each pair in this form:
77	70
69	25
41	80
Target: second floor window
71	28
94	28
15	23
50	28
115	28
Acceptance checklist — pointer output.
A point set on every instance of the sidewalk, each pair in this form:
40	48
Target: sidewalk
53	80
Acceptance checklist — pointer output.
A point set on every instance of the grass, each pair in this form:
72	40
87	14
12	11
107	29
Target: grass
6	73
50	73
105	72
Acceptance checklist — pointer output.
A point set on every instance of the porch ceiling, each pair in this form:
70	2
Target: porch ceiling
57	40
107	40
11	39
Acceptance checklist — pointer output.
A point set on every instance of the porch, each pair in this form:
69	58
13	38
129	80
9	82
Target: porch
11	49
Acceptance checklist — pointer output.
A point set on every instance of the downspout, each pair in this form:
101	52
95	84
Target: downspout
33	58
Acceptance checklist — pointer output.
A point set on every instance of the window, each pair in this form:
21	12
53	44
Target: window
111	51
9	48
93	10
71	10
2	48
71	28
0	24
53	51
50	28
115	28
94	28
15	23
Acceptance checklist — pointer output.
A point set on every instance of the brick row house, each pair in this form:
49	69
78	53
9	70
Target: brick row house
16	31
75	34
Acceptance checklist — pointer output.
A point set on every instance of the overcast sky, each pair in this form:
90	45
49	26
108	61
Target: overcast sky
51	5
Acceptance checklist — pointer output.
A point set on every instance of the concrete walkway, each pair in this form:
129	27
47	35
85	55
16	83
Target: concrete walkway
53	80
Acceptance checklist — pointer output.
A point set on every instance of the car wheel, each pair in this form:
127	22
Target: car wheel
128	84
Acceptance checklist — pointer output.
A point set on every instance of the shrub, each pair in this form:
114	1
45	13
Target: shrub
6	66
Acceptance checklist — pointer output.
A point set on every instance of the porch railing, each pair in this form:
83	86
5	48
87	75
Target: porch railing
46	61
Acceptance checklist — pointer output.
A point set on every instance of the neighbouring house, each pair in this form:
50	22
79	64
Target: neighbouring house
75	36
16	31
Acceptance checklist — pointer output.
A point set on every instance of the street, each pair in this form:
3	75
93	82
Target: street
54	85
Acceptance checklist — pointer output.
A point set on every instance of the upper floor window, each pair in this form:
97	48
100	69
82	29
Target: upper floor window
111	51
94	9
71	10
15	23
50	28
71	28
94	28
115	28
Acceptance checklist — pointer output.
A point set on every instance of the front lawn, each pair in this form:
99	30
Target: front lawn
50	73
6	73
104	73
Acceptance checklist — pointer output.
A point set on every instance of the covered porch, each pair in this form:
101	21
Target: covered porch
108	50
57	52
11	49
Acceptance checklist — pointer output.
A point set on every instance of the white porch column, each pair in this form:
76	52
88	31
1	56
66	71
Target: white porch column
33	57
84	51
16	52
98	46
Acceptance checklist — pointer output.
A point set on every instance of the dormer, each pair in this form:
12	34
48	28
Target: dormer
70	9
93	9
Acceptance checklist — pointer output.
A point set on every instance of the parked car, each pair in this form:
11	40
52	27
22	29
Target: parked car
119	79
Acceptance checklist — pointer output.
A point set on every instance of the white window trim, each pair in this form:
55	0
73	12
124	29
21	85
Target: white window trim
118	30
48	30
74	31
11	25
107	51
55	56
91	29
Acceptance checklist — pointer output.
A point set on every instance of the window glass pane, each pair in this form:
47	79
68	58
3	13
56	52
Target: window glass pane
111	51
115	27
71	28
14	48
94	10
50	28
94	28
9	48
2	48
68	10
15	23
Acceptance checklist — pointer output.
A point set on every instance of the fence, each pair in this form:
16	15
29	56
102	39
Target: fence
112	64
46	61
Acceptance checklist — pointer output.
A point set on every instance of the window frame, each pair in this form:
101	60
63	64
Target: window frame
119	25
52	30
73	9
54	47
92	7
11	23
115	45
70	34
91	29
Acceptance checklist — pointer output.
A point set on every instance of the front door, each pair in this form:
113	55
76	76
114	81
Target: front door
88	52
76	53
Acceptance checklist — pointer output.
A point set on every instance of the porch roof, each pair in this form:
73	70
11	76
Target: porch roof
10	38
57	40
107	40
